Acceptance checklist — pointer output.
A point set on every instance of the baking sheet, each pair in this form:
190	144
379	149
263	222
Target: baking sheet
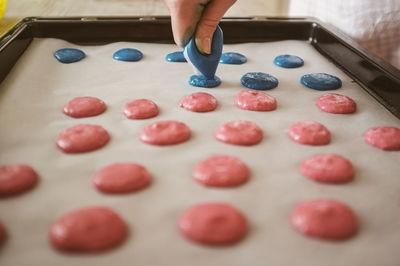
31	100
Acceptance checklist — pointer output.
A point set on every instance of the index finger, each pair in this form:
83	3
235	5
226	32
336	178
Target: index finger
184	18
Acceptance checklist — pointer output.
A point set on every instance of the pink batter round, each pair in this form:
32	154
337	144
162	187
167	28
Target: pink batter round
199	102
16	178
82	138
165	133
221	171
309	133
324	218
213	223
84	107
121	178
327	168
336	104
140	109
239	132
385	138
255	101
90	229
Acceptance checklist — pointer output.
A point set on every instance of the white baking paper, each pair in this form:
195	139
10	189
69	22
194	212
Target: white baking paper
31	102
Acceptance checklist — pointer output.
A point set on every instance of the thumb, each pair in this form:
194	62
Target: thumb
208	22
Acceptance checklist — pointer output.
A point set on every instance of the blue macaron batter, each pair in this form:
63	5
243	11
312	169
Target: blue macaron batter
128	55
233	58
321	81
69	55
259	81
203	81
288	61
175	57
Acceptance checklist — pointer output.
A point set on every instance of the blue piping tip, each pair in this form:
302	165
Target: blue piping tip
203	64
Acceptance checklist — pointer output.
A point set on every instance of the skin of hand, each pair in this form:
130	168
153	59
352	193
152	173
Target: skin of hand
199	17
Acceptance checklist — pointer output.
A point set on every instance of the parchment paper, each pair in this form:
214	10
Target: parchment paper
31	100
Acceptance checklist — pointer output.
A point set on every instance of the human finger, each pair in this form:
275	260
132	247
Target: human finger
185	14
212	14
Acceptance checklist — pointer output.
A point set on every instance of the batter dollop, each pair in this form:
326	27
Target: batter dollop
255	101
309	133
259	81
69	55
165	133
92	229
16	178
128	55
336	104
213	224
84	107
385	138
199	102
140	109
121	178
82	138
233	58
203	81
239	132
324	218
321	81
288	61
175	57
221	171
327	168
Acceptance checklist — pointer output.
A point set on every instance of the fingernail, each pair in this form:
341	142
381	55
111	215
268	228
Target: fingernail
204	45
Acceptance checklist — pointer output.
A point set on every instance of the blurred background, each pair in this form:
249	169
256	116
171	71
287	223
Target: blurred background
17	9
375	25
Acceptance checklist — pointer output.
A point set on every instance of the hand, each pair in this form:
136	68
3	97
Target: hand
199	17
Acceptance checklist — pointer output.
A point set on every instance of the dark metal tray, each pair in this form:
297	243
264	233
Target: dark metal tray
377	77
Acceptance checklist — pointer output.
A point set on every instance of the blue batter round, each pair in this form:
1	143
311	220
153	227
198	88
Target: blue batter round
69	55
288	61
202	81
259	81
233	58
128	55
321	81
175	57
